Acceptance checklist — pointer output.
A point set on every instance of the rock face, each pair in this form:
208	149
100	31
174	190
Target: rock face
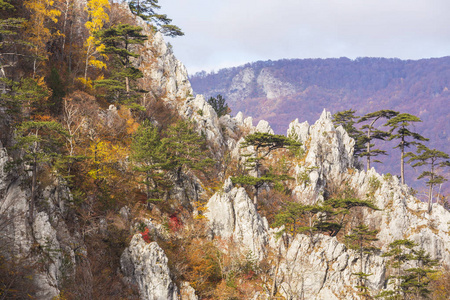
145	264
46	239
320	267
233	216
273	87
328	155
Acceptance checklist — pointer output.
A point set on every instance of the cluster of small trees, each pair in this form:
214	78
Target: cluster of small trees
397	127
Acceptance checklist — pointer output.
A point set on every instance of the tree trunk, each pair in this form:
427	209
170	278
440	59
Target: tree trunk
33	190
255	197
368	148
430	192
402	162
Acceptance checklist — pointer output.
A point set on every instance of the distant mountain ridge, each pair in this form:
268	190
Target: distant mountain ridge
280	91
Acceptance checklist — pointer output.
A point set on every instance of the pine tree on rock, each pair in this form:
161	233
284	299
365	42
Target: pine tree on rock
263	144
39	142
219	105
372	133
399	130
150	157
435	159
186	148
347	119
361	239
117	41
146	9
399	253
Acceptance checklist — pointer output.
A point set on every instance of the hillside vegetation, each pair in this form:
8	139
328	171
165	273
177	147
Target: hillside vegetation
117	183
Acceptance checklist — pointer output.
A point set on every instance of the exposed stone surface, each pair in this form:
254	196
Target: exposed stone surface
273	87
241	85
187	292
328	155
46	238
232	215
322	268
403	215
145	264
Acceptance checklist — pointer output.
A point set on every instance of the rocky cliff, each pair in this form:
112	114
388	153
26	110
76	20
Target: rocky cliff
46	245
297	266
322	267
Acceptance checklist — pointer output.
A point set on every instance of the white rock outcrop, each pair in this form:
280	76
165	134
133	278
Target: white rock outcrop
47	239
328	155
323	270
233	216
145	264
321	267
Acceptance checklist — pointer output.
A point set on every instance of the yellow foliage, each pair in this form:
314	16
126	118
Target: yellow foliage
106	158
86	82
131	123
98	16
38	34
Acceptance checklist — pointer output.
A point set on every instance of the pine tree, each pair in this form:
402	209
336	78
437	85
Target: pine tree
117	41
410	281
372	133
39	142
219	105
146	9
400	252
150	157
399	130
433	158
361	239
347	119
186	148
263	144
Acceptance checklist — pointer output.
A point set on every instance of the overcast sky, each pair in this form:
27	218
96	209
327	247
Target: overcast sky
225	33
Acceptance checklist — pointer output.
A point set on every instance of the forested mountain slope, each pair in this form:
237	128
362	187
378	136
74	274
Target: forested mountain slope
117	183
280	91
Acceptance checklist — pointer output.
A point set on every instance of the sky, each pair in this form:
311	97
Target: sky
227	33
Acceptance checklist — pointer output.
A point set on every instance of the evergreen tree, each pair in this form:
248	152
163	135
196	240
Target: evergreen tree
186	148
263	144
417	279
400	252
372	133
117	41
361	239
399	130
347	120
39	142
146	9
150	157
433	158
219	105
410	281
56	99
10	25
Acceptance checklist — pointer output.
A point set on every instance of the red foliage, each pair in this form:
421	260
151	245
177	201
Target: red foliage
146	235
174	223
